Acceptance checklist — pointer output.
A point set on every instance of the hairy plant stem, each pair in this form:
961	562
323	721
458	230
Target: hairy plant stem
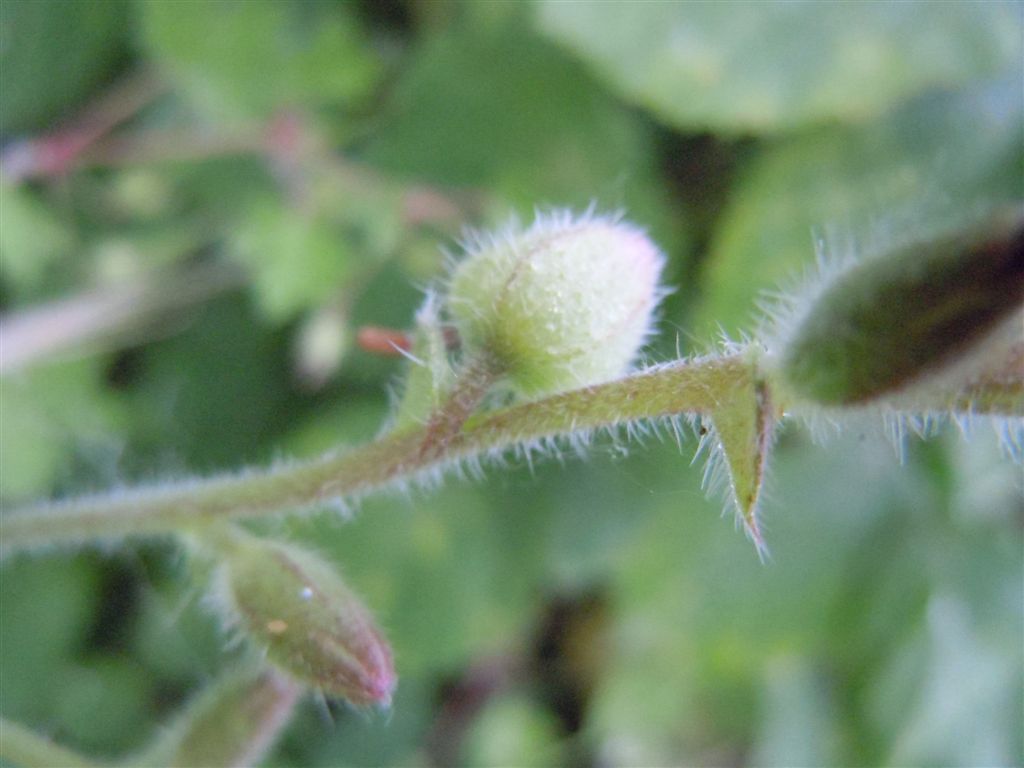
20	746
697	386
473	383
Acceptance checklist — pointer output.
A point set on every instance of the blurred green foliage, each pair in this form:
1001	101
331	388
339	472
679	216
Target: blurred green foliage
245	58
327	151
762	67
54	54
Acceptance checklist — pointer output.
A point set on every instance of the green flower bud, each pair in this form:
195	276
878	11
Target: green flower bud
895	320
564	304
234	722
293	604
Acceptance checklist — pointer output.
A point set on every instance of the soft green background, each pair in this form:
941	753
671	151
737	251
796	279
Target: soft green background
886	629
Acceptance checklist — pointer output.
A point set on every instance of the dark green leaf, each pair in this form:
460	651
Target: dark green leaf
52	54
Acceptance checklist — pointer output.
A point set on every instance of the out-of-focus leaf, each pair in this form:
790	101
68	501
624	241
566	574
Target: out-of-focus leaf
52	53
298	259
764	66
353	738
198	400
513	731
954	656
47	413
33	238
176	638
250	57
104	704
46	605
968	700
496	107
699	617
942	156
797	721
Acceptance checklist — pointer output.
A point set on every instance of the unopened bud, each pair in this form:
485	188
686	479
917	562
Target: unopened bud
234	722
565	303
896	319
293	604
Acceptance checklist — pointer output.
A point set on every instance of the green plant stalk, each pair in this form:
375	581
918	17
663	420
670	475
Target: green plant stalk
21	747
471	387
698	386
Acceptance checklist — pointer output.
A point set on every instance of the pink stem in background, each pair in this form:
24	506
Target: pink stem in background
57	153
70	325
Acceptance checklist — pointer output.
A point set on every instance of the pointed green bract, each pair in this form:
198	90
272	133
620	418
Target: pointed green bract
744	423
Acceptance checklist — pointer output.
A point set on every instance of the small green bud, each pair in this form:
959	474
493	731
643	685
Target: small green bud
895	319
293	604
564	304
234	722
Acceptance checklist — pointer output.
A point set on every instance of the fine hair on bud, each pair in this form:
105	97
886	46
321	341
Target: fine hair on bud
897	318
564	303
294	606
